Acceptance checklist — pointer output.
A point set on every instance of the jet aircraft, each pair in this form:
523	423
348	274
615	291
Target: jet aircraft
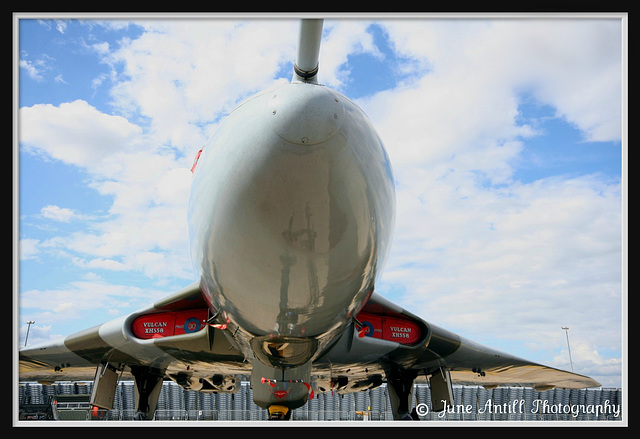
290	218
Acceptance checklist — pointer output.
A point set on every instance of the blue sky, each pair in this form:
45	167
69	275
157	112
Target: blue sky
505	135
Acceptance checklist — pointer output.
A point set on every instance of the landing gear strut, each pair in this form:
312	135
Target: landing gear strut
400	386
148	385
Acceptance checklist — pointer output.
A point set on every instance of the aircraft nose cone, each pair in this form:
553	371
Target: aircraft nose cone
305	114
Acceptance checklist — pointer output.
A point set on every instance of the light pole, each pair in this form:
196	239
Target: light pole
566	330
29	323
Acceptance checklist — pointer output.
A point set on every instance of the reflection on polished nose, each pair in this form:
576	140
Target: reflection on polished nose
282	352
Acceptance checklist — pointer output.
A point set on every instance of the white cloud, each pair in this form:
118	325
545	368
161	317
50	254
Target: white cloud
37	333
585	359
516	265
343	38
467	102
148	186
31	69
179	74
474	250
74	133
49	306
57	213
28	249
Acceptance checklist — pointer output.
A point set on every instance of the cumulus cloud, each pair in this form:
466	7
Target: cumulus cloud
148	190
343	38
75	133
475	250
31	69
28	249
582	356
51	305
177	73
57	213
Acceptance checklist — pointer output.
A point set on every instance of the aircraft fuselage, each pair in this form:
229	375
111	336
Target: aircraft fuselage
290	217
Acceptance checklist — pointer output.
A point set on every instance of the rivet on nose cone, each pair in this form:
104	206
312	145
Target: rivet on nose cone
305	114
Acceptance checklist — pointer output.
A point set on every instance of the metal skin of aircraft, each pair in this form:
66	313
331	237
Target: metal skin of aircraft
290	220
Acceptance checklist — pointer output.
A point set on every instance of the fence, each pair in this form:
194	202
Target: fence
470	404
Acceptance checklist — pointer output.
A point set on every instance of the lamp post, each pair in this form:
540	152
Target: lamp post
566	330
29	323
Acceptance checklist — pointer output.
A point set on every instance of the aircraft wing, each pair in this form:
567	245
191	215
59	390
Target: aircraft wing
174	337
396	340
474	364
